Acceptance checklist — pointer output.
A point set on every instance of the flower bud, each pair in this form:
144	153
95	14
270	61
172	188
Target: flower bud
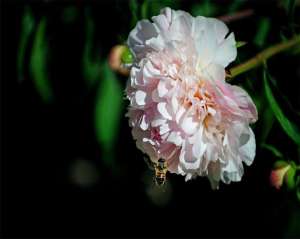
282	172
117	59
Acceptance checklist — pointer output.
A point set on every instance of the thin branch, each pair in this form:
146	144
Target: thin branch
261	57
237	16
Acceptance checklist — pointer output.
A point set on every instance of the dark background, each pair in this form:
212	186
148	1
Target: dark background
41	144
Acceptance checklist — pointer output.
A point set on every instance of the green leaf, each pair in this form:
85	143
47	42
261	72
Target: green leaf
289	128
289	6
273	149
27	29
290	178
38	63
240	44
90	65
298	187
264	26
145	9
108	109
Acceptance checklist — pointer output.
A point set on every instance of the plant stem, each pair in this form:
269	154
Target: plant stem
261	57
237	16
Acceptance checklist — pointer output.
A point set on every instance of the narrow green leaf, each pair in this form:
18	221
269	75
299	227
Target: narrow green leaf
289	128
145	9
27	29
264	26
272	149
90	65
108	109
134	9
38	63
298	187
289	6
240	44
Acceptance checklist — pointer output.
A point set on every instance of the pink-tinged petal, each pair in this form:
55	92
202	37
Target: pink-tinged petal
144	124
158	122
162	89
162	109
174	104
179	114
164	128
245	103
175	138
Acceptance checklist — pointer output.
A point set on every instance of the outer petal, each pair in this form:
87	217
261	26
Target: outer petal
226	52
138	37
245	102
248	148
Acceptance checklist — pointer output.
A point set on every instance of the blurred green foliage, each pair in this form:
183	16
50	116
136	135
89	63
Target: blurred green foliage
28	23
235	6
264	26
290	177
38	63
298	188
133	6
151	8
273	149
108	109
267	119
289	6
289	128
69	14
90	64
206	8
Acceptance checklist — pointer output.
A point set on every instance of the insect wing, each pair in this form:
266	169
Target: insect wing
149	163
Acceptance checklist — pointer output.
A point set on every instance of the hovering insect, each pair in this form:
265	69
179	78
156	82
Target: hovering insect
160	169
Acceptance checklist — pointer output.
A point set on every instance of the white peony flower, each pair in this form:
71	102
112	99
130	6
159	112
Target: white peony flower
181	108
